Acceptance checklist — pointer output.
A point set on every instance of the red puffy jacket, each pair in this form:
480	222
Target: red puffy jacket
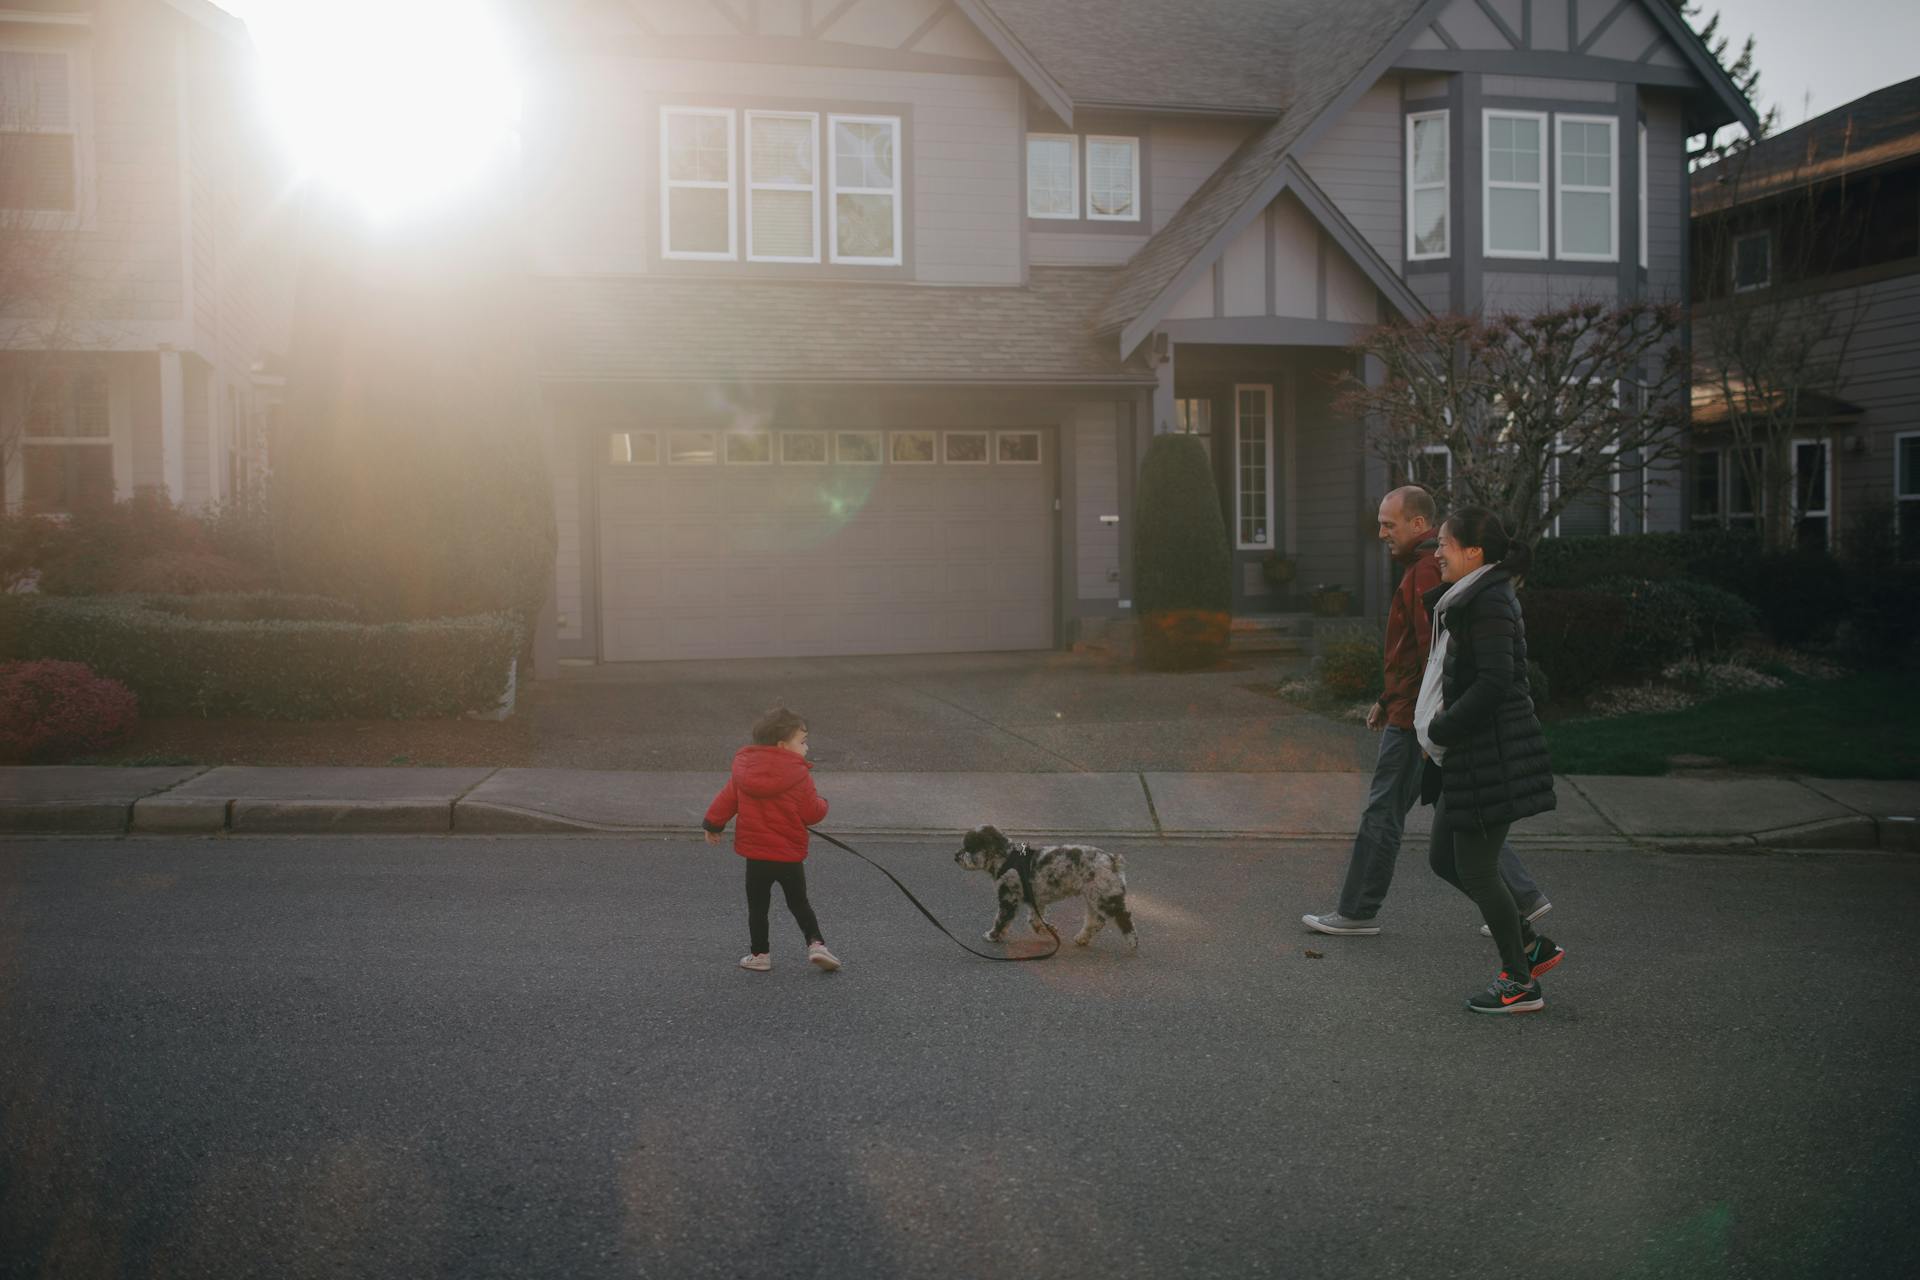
772	791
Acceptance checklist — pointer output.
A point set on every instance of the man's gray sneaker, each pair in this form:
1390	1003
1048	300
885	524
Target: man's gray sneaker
1335	923
1533	917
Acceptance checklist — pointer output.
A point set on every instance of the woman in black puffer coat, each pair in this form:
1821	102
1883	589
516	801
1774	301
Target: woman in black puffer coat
1487	763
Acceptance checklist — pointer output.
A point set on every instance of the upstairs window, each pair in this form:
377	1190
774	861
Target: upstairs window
783	187
1427	191
1752	261
1516	184
1113	179
1587	194
1053	175
39	141
864	161
697	220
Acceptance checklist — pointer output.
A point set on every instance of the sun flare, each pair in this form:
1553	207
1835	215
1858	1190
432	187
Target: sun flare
400	104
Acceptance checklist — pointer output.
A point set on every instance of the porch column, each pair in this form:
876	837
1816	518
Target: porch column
1374	569
173	426
1163	414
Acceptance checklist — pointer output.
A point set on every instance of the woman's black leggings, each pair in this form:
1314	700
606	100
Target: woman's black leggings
762	875
1469	860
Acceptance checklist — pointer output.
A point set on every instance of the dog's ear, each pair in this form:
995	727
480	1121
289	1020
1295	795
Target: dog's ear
992	836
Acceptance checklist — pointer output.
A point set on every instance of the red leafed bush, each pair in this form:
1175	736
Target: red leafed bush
52	710
185	573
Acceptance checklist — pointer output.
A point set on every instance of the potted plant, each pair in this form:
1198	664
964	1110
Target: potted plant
1278	570
1330	600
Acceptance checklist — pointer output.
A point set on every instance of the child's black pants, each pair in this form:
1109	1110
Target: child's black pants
762	875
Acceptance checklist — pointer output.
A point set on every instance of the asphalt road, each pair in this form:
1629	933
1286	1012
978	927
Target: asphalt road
534	1057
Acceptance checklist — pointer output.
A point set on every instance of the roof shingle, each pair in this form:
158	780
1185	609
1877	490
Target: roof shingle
1880	128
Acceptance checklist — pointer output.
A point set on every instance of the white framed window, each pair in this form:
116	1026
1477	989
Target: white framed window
748	448
1813	492
633	448
1427	186
1017	448
964	448
67	445
1432	468
1113	179
863	162
912	448
1643	194
1752	261
692	449
803	448
1586	192
1253	468
1053	175
857	448
783	186
1589	514
698	212
1195	418
1515	197
42	101
1906	492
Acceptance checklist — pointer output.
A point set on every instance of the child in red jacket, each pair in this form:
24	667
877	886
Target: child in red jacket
772	792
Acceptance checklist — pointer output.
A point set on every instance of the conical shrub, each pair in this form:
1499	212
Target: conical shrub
1183	592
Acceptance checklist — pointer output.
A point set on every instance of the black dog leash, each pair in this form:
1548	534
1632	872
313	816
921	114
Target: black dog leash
1025	885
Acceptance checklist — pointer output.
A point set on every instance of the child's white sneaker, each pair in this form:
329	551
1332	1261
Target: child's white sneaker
818	954
759	962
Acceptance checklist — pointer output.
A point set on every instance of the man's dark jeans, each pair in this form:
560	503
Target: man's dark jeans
1395	790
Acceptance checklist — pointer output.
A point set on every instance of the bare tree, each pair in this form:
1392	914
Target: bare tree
1533	413
1772	334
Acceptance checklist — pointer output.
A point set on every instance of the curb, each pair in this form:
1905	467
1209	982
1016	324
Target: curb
98	818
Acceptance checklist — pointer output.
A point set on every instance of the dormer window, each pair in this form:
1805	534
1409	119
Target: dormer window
39	134
1063	166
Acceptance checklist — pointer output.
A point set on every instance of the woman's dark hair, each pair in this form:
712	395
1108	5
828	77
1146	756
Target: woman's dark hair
1479	527
775	727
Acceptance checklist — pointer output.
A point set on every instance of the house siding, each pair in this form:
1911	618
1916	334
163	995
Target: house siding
598	191
1666	179
1071	249
1184	154
1359	162
1883	378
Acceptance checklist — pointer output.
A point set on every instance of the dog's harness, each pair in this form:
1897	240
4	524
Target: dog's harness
1025	867
1020	858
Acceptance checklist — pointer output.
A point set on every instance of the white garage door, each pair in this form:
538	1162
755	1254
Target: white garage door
766	544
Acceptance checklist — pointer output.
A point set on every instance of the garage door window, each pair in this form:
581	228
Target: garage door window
966	448
860	448
692	449
633	448
803	448
1018	448
749	448
912	448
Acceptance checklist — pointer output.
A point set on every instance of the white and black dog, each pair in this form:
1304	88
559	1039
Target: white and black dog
1055	871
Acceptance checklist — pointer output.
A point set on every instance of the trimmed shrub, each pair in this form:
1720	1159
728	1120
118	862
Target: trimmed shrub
1719	619
1575	636
258	606
1183	593
23	543
186	573
1576	564
1802	596
51	711
1659	624
94	551
1884	622
270	669
1352	669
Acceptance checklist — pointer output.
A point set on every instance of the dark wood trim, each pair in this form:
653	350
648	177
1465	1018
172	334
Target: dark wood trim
1507	33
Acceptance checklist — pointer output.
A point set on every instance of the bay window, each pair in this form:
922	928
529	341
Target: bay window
1586	193
1515	213
1427	186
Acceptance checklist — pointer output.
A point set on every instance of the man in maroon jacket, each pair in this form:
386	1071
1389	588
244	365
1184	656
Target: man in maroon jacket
1409	528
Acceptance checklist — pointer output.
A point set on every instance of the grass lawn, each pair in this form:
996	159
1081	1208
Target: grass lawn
1859	726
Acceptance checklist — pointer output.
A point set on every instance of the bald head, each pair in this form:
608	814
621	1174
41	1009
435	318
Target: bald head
1406	520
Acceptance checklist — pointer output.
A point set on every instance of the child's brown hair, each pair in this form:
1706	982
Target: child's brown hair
776	726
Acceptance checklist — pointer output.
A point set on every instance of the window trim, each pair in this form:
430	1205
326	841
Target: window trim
1901	500
1488	184
1086	160
669	185
1445	186
812	189
1561	188
834	189
1616	498
1272	543
1073	176
1825	510
1733	264
79	129
1439	450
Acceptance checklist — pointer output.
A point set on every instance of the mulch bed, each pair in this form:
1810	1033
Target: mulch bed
326	742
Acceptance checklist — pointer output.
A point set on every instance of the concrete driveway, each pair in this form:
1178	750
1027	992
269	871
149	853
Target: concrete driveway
978	713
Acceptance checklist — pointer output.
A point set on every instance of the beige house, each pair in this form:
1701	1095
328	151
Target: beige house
142	256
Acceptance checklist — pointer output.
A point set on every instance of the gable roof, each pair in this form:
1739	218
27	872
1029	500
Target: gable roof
1881	128
1353	41
668	329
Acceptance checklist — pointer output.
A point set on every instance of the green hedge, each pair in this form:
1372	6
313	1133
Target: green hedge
269	669
1575	564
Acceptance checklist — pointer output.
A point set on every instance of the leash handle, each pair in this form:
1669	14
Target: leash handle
929	915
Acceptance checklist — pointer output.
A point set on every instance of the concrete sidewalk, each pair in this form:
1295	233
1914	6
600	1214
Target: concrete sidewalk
1684	813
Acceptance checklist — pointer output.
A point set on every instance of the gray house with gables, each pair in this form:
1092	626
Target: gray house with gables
855	316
